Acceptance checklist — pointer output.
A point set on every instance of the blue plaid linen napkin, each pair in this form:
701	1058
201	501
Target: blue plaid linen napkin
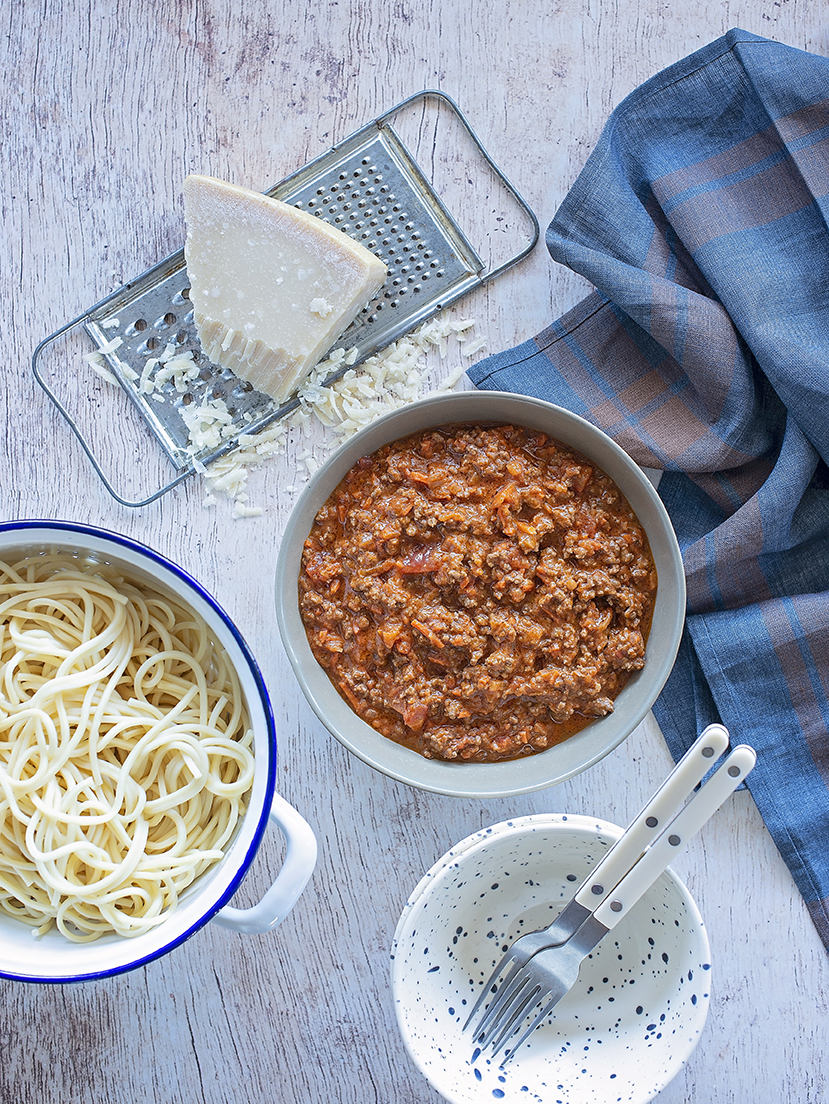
702	221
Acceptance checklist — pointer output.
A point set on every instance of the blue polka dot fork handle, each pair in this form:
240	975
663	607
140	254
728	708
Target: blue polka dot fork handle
543	966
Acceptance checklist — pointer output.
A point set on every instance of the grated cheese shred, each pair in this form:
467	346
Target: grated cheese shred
390	379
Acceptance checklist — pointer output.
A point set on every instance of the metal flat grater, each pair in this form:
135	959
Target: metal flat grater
371	187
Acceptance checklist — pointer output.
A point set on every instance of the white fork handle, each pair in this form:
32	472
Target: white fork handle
300	860
688	772
681	829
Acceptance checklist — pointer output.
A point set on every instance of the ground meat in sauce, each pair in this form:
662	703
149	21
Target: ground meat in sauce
477	593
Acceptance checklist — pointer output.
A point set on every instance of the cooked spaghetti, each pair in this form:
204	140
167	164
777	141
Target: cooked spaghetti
125	748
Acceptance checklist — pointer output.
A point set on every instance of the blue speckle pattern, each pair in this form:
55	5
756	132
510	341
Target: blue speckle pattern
620	1035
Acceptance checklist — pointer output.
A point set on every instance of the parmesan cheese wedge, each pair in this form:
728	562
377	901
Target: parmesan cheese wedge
272	287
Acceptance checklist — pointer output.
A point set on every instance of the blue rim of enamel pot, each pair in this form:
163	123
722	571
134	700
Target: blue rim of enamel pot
136	547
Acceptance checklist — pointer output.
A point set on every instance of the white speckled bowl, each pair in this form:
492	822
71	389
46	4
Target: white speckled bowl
516	776
625	1029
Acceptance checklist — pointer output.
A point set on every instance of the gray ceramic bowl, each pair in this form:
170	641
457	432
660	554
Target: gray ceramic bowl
487	780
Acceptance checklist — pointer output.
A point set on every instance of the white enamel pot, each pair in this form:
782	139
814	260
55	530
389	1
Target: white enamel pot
53	958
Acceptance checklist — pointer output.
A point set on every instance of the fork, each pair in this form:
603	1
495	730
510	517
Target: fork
600	881
551	973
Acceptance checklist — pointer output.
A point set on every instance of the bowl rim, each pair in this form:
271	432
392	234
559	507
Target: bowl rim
452	861
480	780
54	529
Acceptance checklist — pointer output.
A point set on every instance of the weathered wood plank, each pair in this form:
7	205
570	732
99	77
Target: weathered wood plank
107	106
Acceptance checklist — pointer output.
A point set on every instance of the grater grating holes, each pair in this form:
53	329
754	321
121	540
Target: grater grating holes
370	211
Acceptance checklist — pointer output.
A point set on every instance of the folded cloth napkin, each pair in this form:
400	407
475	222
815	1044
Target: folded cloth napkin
702	220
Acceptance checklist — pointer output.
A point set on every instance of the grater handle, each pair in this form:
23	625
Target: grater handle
73	425
386	119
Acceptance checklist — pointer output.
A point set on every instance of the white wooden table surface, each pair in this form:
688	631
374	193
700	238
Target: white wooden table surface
106	105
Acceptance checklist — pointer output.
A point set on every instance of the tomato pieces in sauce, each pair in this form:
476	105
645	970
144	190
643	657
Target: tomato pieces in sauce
477	592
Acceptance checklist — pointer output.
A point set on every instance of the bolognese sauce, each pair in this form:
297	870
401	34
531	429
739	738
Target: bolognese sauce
477	592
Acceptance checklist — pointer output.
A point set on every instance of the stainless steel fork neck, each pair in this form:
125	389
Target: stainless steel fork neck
568	921
589	935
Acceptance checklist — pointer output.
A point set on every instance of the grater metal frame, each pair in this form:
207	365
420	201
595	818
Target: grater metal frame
369	185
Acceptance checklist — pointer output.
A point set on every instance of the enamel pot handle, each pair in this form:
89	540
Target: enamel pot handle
297	868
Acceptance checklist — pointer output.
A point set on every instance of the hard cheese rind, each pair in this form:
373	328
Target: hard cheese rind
272	287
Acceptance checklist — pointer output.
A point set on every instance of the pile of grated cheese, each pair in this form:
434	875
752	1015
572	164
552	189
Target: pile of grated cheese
397	375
